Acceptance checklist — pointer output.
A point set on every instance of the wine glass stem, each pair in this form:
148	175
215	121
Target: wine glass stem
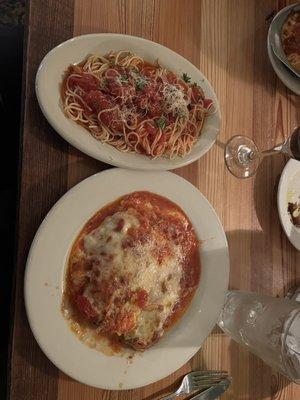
275	150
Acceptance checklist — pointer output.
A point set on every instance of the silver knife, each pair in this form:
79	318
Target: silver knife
214	391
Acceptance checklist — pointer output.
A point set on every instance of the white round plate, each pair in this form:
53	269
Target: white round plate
284	74
289	190
46	267
49	78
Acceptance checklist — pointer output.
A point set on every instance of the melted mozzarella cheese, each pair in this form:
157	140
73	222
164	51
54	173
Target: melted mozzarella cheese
107	238
163	285
140	267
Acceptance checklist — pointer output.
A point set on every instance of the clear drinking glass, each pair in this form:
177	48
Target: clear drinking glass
267	326
242	156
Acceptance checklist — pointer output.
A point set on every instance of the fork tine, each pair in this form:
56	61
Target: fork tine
209	375
209	380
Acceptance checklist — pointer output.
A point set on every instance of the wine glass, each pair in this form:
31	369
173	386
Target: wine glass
242	156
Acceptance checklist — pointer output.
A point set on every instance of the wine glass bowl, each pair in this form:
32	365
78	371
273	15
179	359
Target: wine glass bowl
242	156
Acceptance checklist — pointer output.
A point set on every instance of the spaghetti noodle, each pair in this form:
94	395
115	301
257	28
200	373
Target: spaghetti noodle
135	106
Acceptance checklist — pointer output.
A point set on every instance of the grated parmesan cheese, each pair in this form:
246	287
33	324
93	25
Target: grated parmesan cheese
175	101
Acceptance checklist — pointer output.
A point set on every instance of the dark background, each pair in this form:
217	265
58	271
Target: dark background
12	16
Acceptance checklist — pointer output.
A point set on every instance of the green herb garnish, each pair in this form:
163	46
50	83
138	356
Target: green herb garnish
104	83
140	84
186	78
161	122
123	79
181	114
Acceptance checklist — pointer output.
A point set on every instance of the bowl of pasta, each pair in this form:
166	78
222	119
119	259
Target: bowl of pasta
128	101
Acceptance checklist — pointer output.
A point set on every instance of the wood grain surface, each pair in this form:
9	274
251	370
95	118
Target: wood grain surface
226	40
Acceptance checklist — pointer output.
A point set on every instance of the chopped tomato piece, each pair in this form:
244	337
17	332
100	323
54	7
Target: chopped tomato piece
111	73
97	101
86	82
106	118
114	87
85	308
87	109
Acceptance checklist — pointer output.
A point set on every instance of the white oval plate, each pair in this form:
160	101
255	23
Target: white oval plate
49	78
289	186
46	267
284	73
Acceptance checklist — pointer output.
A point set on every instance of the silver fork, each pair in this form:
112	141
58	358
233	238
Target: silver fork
197	380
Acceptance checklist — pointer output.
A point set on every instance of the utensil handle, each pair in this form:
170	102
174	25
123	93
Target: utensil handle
170	396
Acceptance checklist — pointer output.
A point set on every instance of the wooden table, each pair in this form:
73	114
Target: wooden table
227	41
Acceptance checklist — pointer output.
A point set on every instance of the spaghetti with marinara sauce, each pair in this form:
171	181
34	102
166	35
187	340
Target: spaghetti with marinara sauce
135	106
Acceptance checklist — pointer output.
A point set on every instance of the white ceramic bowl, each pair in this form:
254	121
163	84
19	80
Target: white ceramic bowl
289	191
46	268
274	35
284	73
49	78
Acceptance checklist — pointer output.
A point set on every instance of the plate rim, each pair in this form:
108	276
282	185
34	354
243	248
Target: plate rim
43	347
180	162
